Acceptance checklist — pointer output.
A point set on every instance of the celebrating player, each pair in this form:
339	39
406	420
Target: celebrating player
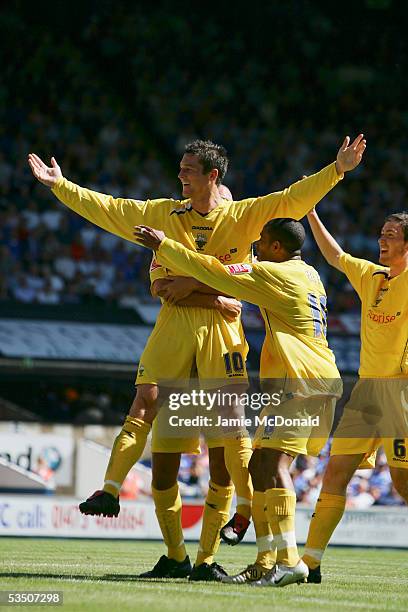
207	223
377	410
292	301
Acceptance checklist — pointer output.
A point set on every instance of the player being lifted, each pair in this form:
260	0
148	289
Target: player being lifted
376	413
295	356
205	222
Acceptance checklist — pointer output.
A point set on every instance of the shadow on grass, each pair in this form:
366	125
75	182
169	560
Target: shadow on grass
103	577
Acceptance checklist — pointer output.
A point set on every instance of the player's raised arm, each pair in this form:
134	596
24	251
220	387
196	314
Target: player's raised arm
329	248
240	280
296	200
47	175
116	215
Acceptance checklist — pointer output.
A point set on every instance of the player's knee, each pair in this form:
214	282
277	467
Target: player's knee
336	479
275	467
165	467
145	403
218	470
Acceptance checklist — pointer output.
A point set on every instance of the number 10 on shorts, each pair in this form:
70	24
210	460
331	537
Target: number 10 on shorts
234	364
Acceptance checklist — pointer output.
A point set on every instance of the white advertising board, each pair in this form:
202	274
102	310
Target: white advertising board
60	517
25	449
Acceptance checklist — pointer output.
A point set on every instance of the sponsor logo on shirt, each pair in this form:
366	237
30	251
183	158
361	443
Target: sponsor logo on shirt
239	268
202	228
382	317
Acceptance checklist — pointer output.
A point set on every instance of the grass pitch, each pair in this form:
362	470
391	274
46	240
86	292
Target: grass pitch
100	575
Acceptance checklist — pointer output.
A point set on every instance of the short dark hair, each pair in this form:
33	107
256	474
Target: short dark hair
210	156
290	233
402	219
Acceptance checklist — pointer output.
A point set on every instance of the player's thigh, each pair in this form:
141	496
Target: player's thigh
339	472
168	437
400	480
145	403
169	354
357	431
221	353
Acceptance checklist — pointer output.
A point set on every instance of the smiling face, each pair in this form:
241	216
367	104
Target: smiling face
393	248
195	183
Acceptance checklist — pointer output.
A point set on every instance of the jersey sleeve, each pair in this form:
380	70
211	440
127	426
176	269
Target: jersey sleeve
258	283
293	202
356	270
116	215
156	270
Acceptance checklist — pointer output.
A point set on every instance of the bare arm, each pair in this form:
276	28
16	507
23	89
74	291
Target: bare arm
174	289
228	307
329	248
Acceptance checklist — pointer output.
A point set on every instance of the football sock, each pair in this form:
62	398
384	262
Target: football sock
216	514
168	511
237	454
126	450
328	512
280	511
264	539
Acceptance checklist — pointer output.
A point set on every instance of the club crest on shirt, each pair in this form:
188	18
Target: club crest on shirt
200	240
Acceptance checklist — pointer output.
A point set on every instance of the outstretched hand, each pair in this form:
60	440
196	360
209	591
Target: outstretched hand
350	155
47	175
148	237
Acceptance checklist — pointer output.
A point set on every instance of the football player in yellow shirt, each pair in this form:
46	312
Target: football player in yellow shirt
376	413
295	352
205	222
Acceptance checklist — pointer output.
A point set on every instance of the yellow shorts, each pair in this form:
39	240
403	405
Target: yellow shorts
376	415
188	342
188	338
297	426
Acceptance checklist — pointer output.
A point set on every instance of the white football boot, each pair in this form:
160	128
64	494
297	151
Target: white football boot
281	575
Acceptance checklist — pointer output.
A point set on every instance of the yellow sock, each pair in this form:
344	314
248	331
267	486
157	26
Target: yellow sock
264	539
168	511
280	511
327	515
216	514
126	450
237	454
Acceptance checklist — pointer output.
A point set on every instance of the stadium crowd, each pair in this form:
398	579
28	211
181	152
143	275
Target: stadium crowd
49	255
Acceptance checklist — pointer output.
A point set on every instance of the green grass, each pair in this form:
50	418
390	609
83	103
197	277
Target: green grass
100	575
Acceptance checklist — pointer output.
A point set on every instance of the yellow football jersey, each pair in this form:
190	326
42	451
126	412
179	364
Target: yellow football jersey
293	304
384	317
226	232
